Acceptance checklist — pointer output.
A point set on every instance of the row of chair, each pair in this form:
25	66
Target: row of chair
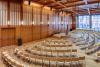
98	56
49	53
90	44
52	61
93	50
9	61
54	48
61	53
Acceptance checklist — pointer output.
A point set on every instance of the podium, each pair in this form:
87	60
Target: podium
19	41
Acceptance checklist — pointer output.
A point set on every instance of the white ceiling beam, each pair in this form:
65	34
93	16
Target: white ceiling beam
79	3
88	8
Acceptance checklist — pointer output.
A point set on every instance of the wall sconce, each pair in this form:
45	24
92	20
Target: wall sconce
8	23
22	23
33	22
42	22
27	2
48	22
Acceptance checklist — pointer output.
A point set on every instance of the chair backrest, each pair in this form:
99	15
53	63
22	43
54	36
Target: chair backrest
74	50
11	60
82	58
75	59
98	54
60	59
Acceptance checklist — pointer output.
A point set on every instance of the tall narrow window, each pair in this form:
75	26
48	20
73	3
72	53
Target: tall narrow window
84	22
3	13
27	15
14	14
36	15
96	22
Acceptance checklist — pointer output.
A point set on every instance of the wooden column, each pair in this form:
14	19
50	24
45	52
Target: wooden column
21	17
48	19
41	12
90	21
73	21
21	10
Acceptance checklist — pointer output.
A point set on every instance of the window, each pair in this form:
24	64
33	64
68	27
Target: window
14	14
36	15
3	13
96	22
27	15
83	22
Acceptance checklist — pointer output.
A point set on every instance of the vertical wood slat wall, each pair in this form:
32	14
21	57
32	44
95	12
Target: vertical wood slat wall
29	23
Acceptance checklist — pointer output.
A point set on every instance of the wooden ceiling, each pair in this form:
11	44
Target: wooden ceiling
79	7
76	6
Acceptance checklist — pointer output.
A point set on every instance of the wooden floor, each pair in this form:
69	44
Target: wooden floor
89	58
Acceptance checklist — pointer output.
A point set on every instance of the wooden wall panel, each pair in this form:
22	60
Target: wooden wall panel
53	28
50	29
44	31
57	28
0	37
8	36
63	28
18	34
36	32
26	33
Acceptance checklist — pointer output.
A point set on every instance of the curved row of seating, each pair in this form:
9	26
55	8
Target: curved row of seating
94	49
60	41
52	50
50	53
97	57
51	61
9	61
60	35
90	43
61	53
